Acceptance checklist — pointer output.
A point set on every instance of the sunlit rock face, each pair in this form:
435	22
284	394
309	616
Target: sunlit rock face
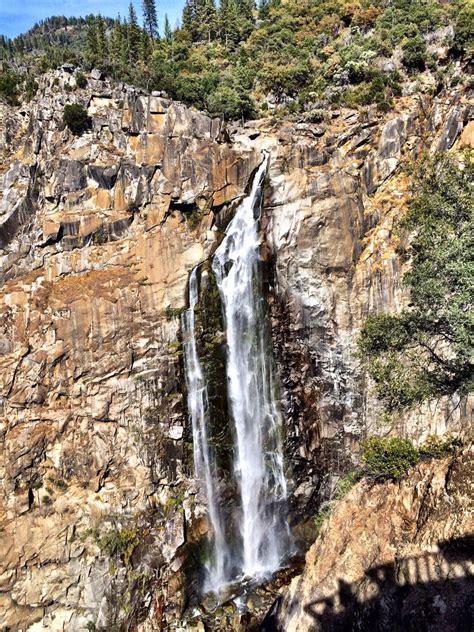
98	234
392	556
336	190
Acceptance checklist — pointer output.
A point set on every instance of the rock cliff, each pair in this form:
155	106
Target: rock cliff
99	517
395	556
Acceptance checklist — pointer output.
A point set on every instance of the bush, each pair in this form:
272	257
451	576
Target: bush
119	543
463	33
231	102
76	119
8	87
388	458
414	53
439	447
81	81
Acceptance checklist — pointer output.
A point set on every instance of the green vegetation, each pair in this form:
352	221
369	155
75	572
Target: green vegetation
9	87
81	81
286	56
426	350
388	458
75	117
119	543
174	312
392	458
439	447
343	487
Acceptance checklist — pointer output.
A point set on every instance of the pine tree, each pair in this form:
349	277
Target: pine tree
199	19
264	9
150	19
133	35
246	9
168	33
228	20
208	19
101	34
116	43
91	39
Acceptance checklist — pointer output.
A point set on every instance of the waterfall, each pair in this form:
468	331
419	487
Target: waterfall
258	462
262	538
204	462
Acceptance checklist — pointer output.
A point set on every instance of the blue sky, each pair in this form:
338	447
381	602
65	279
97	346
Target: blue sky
17	16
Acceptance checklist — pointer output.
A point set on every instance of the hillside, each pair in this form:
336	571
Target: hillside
286	58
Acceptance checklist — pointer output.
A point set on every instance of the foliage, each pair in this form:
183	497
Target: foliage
414	53
345	484
75	117
390	458
119	543
173	312
321	517
426	350
9	87
81	81
237	61
463	43
439	447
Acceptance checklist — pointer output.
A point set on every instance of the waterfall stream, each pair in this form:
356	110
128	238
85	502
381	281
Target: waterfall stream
204	462
262	536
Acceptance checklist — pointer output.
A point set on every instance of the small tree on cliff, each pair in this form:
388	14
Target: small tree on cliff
76	119
427	349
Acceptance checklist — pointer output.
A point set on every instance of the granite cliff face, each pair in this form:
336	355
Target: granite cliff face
395	556
99	518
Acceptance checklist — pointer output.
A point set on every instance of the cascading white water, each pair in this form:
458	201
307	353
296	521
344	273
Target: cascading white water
258	462
204	462
260	512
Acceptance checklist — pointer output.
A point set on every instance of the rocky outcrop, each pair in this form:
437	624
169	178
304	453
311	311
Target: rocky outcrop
335	193
392	556
99	517
98	234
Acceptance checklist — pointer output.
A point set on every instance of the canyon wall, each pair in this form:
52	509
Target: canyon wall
392	556
99	517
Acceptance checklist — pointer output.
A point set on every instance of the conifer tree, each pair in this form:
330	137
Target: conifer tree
168	34
91	39
228	20
133	35
116	43
150	19
264	9
101	34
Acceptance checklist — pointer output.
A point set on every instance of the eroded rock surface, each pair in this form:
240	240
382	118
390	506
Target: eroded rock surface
392	556
100	521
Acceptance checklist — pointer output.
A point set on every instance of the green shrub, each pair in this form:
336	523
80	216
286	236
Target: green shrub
81	81
345	484
387	458
174	312
75	117
9	87
230	102
464	32
31	86
119	543
426	351
321	517
414	53
439	447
